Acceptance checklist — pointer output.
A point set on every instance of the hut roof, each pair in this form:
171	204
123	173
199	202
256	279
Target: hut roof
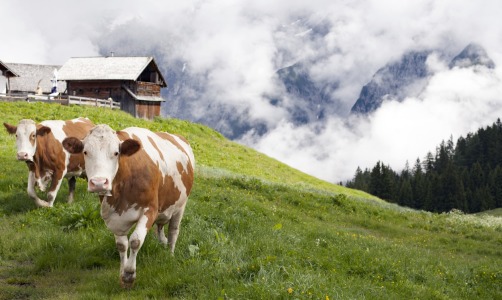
31	76
108	68
6	71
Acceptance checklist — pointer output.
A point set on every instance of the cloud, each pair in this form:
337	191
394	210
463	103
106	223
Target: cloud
232	49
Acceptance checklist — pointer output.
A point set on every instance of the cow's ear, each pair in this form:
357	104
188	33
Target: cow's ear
129	147
11	129
43	130
73	145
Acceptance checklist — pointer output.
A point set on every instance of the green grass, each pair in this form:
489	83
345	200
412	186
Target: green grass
253	229
494	212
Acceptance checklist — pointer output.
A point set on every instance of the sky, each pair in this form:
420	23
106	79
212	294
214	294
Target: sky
236	47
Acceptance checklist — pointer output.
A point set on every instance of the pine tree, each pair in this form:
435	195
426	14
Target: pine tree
419	186
429	162
477	176
405	195
443	157
496	190
483	199
452	190
383	182
361	180
389	184
376	180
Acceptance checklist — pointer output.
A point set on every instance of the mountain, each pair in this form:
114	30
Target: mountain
408	76
312	100
473	54
396	80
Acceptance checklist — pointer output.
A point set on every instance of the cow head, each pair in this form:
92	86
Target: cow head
26	137
102	150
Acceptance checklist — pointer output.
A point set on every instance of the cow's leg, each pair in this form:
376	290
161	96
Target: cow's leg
174	229
57	179
160	234
31	191
122	244
135	242
71	188
43	181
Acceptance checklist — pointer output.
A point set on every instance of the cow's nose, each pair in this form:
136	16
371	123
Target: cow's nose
98	184
22	156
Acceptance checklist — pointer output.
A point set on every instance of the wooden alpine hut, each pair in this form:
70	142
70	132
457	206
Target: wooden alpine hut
135	82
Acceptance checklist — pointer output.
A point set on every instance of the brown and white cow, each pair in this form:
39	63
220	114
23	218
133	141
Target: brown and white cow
142	178
40	146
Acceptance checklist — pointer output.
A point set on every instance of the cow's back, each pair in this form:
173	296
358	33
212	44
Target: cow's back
78	128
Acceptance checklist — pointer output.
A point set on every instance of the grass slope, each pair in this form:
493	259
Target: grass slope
253	229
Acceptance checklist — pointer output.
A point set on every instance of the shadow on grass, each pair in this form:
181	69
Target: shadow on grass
15	203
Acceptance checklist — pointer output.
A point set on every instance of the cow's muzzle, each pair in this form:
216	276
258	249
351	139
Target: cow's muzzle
98	185
23	156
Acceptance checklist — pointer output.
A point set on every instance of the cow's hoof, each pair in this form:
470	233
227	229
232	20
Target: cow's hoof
42	203
127	279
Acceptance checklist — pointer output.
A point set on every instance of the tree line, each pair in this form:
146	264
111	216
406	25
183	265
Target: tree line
465	176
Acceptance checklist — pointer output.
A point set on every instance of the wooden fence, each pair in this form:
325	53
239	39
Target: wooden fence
93	102
64	100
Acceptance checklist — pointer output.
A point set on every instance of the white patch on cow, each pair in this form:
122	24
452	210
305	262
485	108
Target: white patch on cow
80	120
187	149
56	127
140	231
120	224
31	185
76	173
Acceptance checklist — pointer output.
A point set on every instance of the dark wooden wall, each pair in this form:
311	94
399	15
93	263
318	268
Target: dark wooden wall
113	88
147	109
147	89
95	89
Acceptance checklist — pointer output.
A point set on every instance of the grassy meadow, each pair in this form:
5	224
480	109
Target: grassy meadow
254	228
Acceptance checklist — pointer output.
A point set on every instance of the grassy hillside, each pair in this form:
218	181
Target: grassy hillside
253	229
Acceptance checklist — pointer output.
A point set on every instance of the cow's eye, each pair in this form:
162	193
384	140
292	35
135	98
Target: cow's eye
116	154
85	152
